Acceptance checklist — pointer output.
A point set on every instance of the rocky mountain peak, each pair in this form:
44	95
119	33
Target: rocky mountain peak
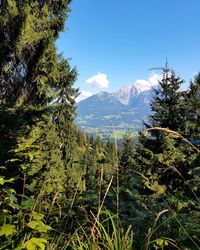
126	108
129	92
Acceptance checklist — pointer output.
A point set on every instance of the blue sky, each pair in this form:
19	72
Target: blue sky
114	43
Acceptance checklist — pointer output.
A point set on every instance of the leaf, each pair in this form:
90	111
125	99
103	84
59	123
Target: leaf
28	203
159	189
34	243
13	160
7	229
182	204
3	181
39	226
37	216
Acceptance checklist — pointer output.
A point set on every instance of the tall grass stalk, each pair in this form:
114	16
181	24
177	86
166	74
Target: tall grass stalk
108	236
100	208
117	177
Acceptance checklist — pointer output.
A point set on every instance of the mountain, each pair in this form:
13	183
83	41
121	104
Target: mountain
105	112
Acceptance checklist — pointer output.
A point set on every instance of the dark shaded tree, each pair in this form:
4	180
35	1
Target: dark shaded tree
127	153
192	107
37	94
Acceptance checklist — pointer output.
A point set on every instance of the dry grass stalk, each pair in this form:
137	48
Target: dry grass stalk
99	210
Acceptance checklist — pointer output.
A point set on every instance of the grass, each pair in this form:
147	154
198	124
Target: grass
106	235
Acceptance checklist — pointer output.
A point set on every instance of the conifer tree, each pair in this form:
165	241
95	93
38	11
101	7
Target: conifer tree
163	159
112	154
36	93
192	103
167	102
127	153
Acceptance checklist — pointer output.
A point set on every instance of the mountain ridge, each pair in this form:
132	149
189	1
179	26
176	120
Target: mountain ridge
104	112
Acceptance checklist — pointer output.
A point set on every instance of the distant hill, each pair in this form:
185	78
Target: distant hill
106	112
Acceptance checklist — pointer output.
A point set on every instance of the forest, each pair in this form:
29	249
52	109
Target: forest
62	189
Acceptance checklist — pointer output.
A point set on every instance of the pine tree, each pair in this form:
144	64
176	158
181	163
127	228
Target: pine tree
163	159
127	153
28	32
192	103
37	109
167	102
112	155
37	94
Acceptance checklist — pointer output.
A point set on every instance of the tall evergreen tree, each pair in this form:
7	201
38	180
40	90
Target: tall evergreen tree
167	102
37	109
162	157
37	94
127	153
192	107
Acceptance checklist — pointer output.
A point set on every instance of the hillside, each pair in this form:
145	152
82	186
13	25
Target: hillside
104	112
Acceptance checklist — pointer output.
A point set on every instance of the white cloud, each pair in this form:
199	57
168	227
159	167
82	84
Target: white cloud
83	95
143	85
99	80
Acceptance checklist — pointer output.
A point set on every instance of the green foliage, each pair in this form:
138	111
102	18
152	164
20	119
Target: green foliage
7	230
192	109
38	226
34	244
127	152
167	102
3	181
56	181
104	235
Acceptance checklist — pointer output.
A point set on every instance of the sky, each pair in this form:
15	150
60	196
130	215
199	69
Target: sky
114	43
